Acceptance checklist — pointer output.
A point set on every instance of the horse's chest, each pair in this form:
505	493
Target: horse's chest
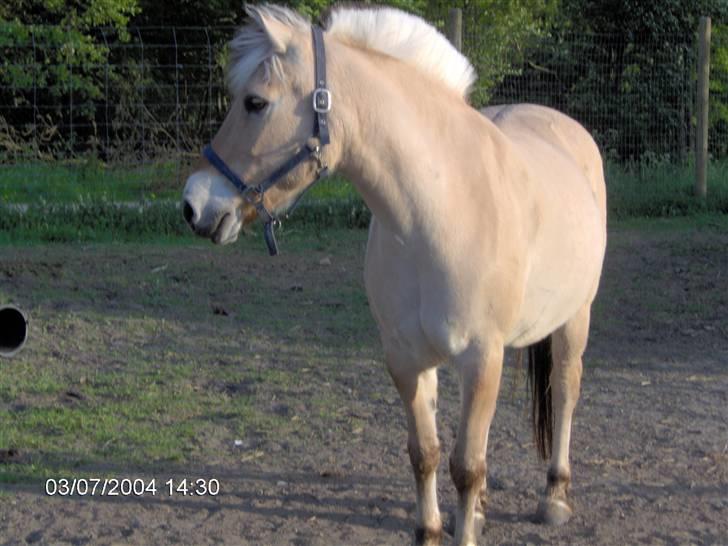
419	310
417	323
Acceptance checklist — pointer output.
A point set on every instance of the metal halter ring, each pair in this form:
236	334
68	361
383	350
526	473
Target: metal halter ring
322	100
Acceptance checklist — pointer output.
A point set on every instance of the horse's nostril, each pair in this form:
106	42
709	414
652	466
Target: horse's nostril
189	213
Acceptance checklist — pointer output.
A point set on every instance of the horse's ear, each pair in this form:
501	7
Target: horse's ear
278	32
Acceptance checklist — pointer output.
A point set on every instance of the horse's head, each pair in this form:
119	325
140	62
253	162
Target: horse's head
271	119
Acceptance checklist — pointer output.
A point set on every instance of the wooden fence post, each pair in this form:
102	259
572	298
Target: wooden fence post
455	28
701	109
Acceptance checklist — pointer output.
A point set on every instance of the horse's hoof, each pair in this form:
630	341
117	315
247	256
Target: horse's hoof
553	512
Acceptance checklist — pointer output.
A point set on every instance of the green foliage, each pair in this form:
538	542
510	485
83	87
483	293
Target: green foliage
216	13
496	29
624	68
719	92
496	35
82	15
213	13
664	20
58	57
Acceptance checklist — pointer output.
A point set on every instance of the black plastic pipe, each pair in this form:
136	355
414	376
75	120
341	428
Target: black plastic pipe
13	330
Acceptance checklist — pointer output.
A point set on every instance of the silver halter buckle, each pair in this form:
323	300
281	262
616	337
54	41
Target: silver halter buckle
322	100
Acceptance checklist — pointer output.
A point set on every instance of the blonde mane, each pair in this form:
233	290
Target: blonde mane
405	37
386	30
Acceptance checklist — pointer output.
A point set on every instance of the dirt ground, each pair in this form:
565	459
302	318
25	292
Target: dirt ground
650	440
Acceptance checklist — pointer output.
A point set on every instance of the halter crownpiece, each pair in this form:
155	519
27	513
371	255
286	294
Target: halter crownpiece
321	100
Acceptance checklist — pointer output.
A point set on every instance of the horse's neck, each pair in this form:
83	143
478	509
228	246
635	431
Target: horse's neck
392	147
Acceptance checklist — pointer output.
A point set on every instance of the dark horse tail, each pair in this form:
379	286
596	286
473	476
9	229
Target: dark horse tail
540	362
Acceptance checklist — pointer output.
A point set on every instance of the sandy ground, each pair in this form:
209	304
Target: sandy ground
649	450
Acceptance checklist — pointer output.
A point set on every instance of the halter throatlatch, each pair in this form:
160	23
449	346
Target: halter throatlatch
310	151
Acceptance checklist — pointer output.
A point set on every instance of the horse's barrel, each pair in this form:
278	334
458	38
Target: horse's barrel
13	330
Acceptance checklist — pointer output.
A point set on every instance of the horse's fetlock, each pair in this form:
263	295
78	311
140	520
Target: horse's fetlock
426	536
558	481
558	476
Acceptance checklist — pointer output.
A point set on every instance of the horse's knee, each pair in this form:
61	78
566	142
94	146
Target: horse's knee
424	459
466	474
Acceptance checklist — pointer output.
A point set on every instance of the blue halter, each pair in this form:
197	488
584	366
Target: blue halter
254	194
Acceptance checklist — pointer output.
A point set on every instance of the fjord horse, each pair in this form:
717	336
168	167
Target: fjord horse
488	229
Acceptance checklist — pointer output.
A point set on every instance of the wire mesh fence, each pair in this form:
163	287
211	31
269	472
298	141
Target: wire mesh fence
636	102
124	114
121	115
133	99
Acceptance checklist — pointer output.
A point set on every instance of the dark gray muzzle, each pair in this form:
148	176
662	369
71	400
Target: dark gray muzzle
13	330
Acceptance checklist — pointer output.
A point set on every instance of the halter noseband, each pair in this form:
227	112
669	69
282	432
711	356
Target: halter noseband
311	150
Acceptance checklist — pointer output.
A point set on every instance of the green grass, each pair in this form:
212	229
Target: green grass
86	202
162	378
663	189
92	180
67	182
102	220
99	220
696	221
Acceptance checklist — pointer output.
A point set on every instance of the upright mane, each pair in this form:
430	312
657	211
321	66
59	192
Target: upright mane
405	37
386	30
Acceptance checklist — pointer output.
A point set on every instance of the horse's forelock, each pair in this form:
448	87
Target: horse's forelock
253	46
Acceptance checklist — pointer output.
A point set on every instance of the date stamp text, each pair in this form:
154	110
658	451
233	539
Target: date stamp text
131	487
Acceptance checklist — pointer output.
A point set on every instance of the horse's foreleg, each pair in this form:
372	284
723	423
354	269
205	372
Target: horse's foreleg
482	501
480	372
418	390
568	345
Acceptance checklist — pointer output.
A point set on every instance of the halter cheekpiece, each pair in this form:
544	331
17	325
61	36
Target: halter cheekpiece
310	151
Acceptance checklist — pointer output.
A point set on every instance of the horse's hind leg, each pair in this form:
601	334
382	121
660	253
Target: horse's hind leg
418	390
568	345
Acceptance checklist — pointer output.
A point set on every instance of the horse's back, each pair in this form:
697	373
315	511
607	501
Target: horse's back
559	131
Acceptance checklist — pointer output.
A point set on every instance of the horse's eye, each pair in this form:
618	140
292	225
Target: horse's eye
254	104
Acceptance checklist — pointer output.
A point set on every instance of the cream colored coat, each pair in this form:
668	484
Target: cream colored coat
488	229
